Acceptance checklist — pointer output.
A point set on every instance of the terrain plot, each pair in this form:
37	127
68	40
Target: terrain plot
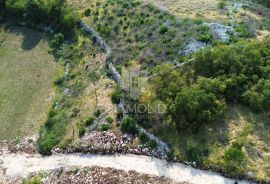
26	74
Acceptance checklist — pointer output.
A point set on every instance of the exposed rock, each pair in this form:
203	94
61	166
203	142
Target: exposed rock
250	174
220	31
192	46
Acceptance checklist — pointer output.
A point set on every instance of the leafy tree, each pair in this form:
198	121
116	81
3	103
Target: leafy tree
194	106
16	7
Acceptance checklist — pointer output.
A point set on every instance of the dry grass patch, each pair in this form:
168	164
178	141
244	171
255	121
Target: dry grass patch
207	9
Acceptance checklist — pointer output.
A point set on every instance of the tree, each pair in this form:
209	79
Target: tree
194	106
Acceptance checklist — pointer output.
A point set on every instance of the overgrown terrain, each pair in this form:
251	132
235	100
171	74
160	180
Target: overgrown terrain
217	103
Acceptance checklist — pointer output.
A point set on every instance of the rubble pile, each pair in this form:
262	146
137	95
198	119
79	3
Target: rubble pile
98	175
106	143
16	146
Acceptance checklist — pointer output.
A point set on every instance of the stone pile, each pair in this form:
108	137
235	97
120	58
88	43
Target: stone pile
16	146
105	143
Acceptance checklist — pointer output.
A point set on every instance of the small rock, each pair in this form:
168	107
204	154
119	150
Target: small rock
250	174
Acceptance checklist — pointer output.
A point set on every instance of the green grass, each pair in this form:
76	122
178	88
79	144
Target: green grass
26	76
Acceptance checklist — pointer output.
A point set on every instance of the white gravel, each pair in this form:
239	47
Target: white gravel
23	165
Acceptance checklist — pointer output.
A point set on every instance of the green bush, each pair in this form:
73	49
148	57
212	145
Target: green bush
234	158
119	114
16	7
128	125
242	30
69	19
143	137
90	120
81	130
163	29
109	119
104	127
87	12
116	95
222	4
207	38
97	113
57	41
152	144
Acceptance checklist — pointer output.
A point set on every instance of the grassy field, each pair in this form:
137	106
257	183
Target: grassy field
26	77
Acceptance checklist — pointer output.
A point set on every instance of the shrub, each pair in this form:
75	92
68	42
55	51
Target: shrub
16	7
97	113
90	120
104	127
87	12
81	130
207	37
242	30
116	95
163	29
234	158
57	41
143	137
152	144
222	4
109	119
128	125
69	18
119	114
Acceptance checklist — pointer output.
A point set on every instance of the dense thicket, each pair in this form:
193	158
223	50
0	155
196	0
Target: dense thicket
49	12
219	76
